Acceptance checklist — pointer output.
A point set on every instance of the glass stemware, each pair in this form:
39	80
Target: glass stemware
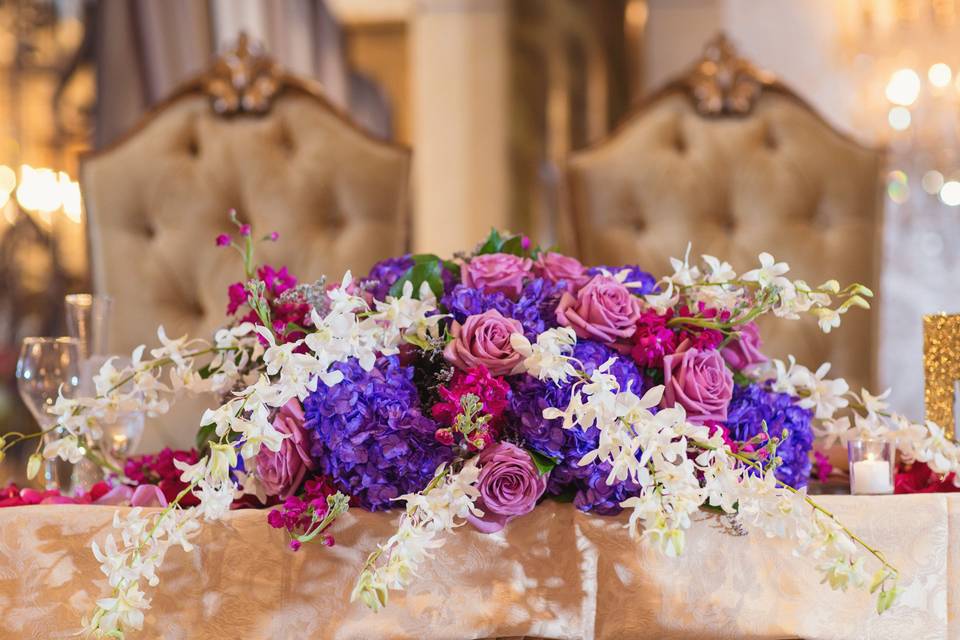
46	367
88	320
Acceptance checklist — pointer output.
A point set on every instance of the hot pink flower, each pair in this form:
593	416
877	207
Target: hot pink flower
652	339
484	341
603	310
497	273
556	267
699	381
282	472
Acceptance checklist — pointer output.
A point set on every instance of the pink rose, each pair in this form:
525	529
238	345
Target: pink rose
282	472
484	341
509	486
699	381
497	273
556	267
744	352
602	310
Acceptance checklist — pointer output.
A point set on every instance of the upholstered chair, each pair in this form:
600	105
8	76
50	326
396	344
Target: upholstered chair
244	136
731	160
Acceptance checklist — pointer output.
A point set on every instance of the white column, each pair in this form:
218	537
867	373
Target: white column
458	91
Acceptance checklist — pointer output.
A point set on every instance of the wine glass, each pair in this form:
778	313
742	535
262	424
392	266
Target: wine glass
46	367
88	319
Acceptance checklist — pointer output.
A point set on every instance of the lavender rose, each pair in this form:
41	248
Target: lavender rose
556	267
282	472
699	381
497	273
744	352
509	486
603	310
484	340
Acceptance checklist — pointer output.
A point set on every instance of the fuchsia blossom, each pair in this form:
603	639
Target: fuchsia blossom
494	395
300	515
282	313
223	240
653	339
245	230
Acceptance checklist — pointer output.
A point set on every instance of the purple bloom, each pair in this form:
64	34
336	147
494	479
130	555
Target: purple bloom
383	274
245	230
369	435
535	308
567	446
753	404
636	276
223	240
274	236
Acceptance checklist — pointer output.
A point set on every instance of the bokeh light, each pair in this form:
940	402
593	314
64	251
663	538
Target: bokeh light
950	193
904	87
939	75
932	181
898	187
899	118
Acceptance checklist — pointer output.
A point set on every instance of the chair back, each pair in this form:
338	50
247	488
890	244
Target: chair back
246	136
731	160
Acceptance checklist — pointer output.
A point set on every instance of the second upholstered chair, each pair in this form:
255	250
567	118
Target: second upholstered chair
730	159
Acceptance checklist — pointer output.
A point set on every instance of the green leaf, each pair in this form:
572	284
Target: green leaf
513	246
452	267
429	272
421	258
293	327
492	244
204	436
544	464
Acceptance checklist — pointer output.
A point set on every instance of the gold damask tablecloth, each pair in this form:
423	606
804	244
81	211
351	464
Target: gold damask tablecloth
556	573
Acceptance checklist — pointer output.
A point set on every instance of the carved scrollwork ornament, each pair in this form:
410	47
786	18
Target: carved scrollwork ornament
723	83
243	80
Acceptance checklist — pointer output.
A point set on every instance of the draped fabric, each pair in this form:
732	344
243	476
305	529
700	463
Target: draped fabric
145	49
556	573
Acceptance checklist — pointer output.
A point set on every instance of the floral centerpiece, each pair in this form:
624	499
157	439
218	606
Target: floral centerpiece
468	390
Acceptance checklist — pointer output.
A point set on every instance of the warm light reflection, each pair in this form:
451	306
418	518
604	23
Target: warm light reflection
904	87
899	118
43	192
932	181
939	75
950	193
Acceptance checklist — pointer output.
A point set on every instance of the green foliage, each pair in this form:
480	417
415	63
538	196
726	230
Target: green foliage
544	464
426	268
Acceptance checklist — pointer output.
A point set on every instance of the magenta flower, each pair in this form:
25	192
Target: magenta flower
274	236
223	240
245	230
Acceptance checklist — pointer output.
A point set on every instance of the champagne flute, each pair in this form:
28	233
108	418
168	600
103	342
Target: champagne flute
47	367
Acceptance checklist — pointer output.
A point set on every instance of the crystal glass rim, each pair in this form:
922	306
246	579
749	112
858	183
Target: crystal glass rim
51	340
85	299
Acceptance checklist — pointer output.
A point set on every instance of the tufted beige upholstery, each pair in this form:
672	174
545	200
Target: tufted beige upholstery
779	180
157	199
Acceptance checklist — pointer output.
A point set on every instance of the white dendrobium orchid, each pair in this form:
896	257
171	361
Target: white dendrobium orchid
770	273
548	359
66	448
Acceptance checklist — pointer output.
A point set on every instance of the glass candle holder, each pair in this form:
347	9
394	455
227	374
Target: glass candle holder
871	466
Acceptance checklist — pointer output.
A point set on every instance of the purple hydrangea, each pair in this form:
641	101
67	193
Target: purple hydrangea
643	282
369	435
535	309
567	446
384	274
753	404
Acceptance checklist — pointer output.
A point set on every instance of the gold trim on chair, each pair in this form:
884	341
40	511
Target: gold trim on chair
243	79
723	83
